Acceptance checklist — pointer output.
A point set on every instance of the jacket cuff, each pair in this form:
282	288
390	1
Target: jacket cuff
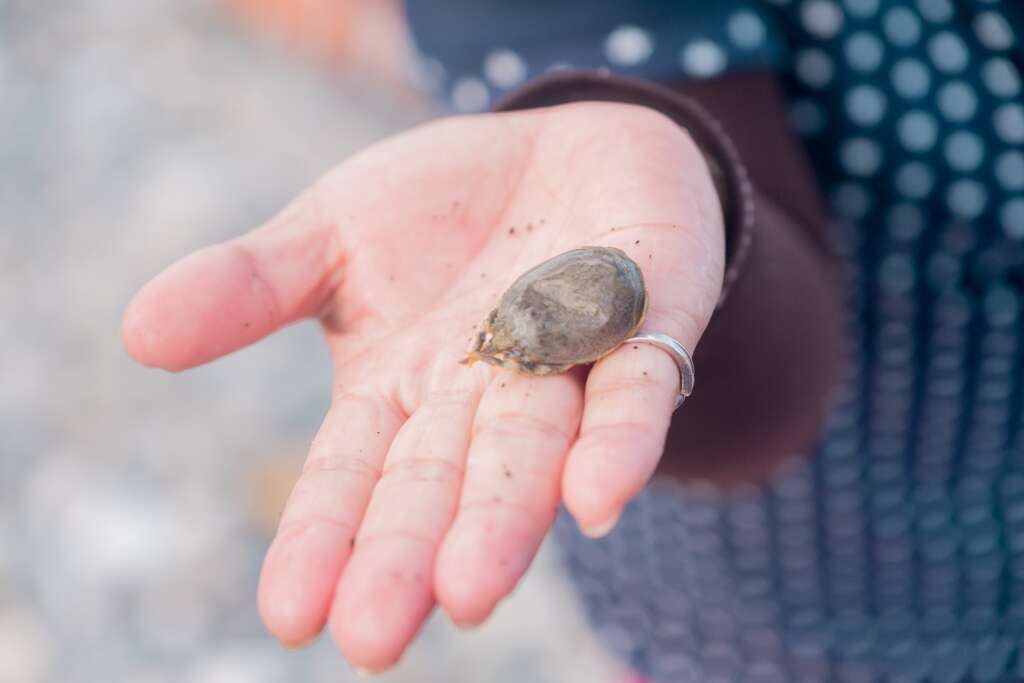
727	170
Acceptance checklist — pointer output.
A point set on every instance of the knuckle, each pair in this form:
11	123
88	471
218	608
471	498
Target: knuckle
323	460
345	400
422	469
510	508
619	440
291	528
451	400
261	285
396	536
628	388
614	432
505	425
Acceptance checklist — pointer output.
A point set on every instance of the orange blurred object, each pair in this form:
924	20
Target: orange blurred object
364	35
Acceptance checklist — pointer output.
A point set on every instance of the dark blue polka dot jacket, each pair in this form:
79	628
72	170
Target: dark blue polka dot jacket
887	544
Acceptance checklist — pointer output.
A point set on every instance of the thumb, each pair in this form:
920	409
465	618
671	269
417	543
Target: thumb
229	295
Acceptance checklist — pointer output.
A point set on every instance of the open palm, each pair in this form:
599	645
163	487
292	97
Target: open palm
431	482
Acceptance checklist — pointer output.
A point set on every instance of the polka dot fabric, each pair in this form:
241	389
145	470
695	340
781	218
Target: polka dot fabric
896	552
471	53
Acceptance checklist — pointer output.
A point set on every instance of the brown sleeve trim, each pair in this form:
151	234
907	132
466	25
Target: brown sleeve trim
727	170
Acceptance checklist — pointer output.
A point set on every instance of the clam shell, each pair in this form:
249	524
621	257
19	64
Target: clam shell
569	310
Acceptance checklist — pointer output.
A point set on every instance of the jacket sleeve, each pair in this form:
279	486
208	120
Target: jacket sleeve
772	352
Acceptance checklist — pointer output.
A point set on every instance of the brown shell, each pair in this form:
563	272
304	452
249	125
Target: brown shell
571	309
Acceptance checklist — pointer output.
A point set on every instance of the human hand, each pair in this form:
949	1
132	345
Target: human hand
430	482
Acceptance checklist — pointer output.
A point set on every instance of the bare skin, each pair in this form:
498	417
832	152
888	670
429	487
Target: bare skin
431	483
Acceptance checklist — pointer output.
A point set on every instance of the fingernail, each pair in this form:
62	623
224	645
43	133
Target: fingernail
298	645
602	529
466	624
366	673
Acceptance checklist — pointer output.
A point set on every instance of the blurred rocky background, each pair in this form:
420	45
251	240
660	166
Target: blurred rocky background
135	505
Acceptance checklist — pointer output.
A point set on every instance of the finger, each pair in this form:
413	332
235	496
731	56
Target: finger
385	592
229	295
319	522
510	495
630	394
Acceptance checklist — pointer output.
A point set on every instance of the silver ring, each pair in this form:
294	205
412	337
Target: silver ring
679	354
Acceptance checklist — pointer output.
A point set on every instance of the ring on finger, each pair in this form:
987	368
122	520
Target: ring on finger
678	353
